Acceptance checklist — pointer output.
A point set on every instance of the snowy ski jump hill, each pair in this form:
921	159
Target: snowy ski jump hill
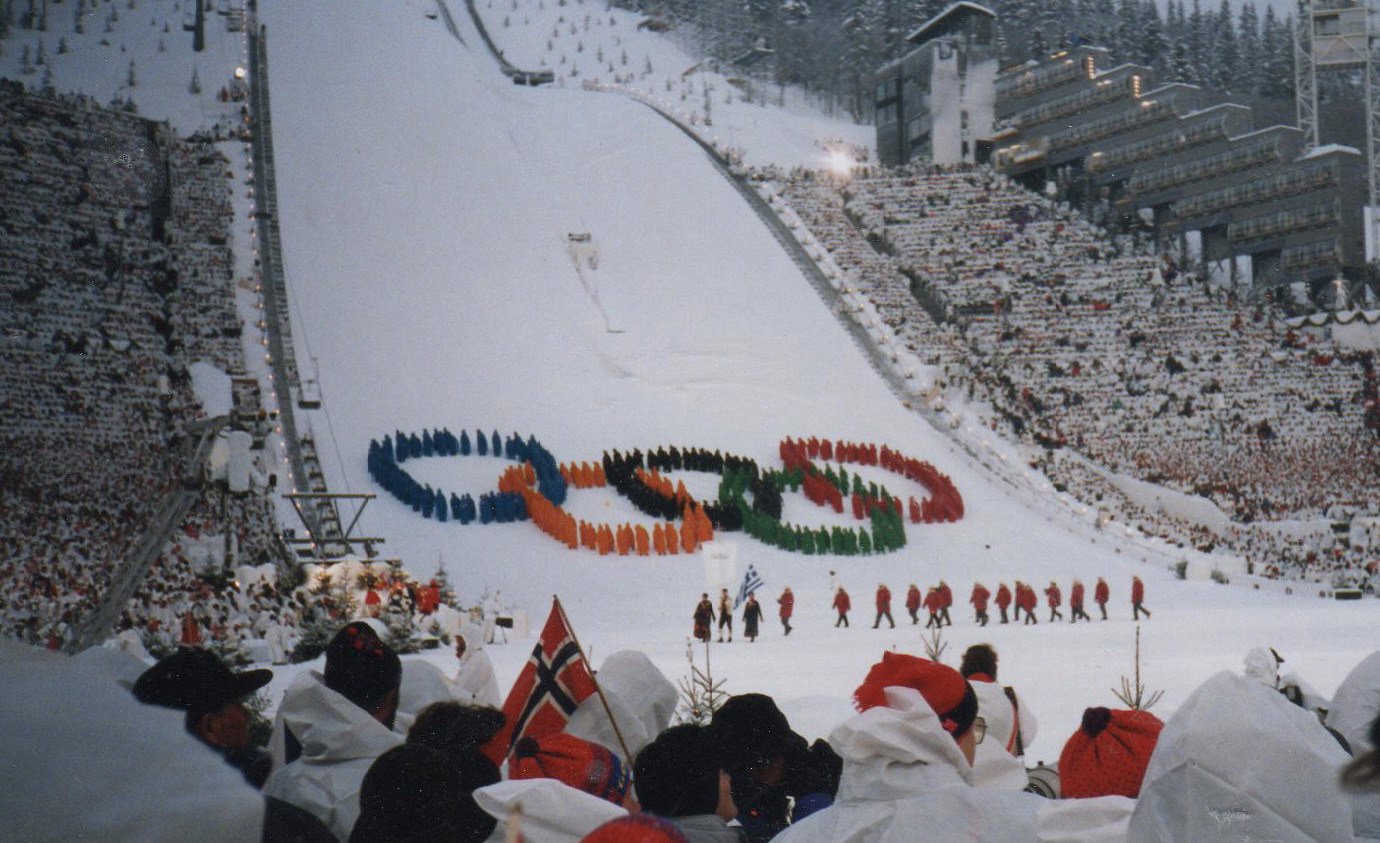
426	205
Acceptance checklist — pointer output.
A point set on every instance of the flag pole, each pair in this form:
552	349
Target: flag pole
618	733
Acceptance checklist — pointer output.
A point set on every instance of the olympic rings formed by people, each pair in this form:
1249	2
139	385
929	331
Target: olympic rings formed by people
749	498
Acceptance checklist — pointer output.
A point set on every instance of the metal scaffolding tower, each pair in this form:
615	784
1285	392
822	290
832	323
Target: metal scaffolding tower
1342	35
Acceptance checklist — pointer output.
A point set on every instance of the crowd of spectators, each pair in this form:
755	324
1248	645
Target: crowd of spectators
378	748
1063	336
116	265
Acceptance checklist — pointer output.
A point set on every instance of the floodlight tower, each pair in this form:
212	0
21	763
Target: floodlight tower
1334	35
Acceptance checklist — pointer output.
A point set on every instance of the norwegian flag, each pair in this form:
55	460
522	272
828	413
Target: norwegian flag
547	691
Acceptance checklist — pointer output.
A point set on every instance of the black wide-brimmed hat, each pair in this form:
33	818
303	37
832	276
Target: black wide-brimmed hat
196	679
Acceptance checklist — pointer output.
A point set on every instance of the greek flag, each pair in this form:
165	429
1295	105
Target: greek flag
752	581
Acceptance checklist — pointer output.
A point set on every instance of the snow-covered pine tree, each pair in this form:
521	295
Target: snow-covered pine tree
195	86
1155	51
1277	48
1224	50
1248	57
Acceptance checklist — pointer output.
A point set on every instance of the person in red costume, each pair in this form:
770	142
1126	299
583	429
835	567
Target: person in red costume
979	601
1026	602
913	603
1137	599
1003	599
841	605
932	601
946	599
1076	603
883	606
1101	594
1055	599
787	603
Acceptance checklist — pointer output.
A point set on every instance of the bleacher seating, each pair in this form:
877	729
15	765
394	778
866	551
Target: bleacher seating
1065	337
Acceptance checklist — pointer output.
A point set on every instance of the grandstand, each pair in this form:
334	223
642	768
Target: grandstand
98	400
1091	347
1134	153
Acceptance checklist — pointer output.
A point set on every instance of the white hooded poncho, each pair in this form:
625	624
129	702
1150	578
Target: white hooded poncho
339	742
1236	762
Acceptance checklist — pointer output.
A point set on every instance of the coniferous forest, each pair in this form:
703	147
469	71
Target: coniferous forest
1242	52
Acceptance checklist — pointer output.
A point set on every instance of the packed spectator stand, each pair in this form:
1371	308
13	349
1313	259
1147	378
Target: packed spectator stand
116	264
1069	339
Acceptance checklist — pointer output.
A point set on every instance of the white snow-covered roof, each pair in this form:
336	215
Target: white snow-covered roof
1221	105
1329	148
949	10
1276	127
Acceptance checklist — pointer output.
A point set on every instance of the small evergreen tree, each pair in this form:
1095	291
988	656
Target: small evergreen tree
700	694
195	86
1133	694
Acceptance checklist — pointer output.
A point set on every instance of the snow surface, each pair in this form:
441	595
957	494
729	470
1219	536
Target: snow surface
425	204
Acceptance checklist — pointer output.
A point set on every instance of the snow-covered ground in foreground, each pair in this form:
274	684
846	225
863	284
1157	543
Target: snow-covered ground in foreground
425	208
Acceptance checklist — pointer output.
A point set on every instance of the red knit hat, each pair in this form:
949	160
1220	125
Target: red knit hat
635	828
1108	754
944	688
573	761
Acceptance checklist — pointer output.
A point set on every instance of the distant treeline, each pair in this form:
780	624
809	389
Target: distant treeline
831	47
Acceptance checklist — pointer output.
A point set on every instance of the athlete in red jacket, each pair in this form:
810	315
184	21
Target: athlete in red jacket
946	599
1076	603
787	603
1003	599
1101	594
841	605
883	606
1026	602
979	601
913	603
932	604
1138	597
1055	598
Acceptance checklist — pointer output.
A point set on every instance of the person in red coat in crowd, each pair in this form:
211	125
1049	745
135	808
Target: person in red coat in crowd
1003	599
946	599
1076	603
883	606
191	631
979	601
787	603
1137	598
913	603
1101	594
841	605
1055	599
932	601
